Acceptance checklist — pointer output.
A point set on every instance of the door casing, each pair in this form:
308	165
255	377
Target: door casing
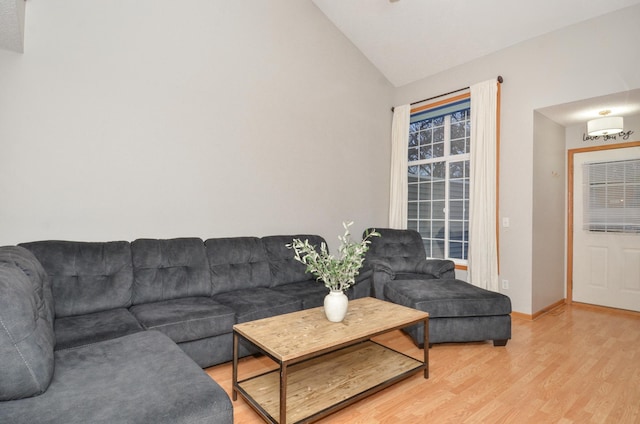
570	170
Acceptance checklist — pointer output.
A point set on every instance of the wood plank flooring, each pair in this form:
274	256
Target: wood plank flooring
573	365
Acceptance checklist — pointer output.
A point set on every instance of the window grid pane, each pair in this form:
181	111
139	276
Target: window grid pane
439	184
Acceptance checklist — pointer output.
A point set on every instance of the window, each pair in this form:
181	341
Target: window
612	196
438	179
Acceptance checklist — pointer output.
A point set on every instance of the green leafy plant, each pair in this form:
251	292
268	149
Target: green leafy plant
336	272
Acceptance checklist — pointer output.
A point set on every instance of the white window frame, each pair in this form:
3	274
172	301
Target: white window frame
447	158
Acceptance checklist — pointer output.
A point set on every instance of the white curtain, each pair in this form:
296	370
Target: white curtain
398	181
483	244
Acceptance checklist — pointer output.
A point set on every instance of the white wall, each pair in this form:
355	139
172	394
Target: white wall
576	135
157	118
549	176
590	59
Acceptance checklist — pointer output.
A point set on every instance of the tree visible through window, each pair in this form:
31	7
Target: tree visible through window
438	166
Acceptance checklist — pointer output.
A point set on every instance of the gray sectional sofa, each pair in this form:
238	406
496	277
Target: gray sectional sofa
118	331
397	271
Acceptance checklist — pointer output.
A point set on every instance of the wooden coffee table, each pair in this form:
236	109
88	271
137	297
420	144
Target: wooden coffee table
325	366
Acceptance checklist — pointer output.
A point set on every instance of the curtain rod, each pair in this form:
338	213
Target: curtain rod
500	79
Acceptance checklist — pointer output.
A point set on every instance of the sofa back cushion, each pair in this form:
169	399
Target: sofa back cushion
86	277
27	262
237	263
26	338
402	250
284	268
169	269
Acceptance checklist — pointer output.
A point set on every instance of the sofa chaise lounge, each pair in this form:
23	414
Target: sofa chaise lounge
398	271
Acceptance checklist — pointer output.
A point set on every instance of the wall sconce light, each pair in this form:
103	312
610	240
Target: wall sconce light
605	125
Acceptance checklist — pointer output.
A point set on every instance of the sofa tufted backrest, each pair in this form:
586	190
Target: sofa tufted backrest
26	337
86	277
237	263
284	268
169	269
401	249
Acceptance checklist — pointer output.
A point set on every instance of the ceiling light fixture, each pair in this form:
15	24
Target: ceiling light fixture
605	125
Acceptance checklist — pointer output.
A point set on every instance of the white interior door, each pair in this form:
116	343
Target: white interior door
606	265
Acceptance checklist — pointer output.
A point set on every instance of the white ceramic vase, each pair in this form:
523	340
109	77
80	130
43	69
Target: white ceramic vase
335	305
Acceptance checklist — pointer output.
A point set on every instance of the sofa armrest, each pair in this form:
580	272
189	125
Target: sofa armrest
379	272
440	268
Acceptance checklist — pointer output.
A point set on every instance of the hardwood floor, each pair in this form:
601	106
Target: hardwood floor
574	365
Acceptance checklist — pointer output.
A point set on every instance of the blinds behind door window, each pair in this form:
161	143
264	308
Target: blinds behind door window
612	196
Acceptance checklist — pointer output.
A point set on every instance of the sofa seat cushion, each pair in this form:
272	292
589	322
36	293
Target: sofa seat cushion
447	298
258	303
139	378
81	330
310	292
187	319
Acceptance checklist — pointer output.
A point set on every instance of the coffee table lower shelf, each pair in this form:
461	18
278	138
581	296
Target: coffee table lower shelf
319	386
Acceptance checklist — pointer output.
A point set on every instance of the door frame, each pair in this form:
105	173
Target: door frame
570	169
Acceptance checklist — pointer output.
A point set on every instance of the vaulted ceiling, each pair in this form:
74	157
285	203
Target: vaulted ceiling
408	40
